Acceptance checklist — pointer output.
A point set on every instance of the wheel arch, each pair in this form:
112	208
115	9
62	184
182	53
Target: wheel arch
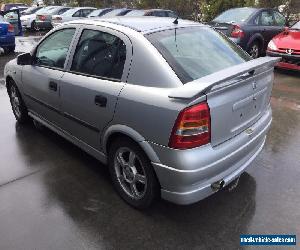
8	80
256	37
116	131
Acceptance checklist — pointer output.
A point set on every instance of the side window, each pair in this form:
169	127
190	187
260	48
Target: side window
77	13
172	14
86	12
279	19
62	11
99	54
256	20
267	18
160	13
52	52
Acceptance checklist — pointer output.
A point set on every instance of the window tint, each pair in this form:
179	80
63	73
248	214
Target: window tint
235	15
266	18
52	52
279	19
99	54
77	13
86	12
195	52
172	14
62	11
160	13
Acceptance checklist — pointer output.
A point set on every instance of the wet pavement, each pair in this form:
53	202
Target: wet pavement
54	196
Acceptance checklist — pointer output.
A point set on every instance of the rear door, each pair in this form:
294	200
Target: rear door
42	80
90	89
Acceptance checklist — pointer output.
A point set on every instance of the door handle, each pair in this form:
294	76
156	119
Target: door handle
100	101
53	86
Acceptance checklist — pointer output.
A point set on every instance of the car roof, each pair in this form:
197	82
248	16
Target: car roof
141	24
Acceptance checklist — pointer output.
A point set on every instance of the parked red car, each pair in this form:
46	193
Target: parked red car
287	46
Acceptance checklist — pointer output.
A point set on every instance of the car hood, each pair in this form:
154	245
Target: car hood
288	40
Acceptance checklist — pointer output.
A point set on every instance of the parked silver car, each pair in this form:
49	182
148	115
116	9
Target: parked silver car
71	14
175	109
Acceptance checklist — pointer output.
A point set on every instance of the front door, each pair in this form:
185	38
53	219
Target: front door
42	79
90	89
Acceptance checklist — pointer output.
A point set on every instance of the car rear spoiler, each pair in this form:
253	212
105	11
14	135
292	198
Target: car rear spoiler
247	69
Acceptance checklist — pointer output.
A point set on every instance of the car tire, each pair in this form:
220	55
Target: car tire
132	173
18	106
254	50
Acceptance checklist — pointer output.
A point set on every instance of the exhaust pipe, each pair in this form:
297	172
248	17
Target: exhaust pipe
216	186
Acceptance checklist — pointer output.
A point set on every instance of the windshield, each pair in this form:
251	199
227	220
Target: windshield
239	15
194	52
296	26
136	13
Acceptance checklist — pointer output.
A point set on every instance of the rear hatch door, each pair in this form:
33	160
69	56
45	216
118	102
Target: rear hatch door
237	96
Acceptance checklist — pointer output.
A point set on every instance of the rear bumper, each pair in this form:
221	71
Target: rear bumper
44	24
188	175
288	61
7	41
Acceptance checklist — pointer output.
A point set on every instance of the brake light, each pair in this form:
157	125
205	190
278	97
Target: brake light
11	28
41	18
237	32
192	127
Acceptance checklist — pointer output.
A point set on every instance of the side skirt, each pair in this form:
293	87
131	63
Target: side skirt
87	148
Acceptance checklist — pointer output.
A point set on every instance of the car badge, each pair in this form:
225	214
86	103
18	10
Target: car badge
289	51
249	131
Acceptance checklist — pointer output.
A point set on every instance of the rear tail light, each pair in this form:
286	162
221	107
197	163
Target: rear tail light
11	28
41	17
192	127
237	32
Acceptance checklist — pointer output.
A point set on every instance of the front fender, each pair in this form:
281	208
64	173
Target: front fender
134	135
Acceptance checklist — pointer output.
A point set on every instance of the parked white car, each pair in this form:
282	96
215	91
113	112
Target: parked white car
72	14
28	21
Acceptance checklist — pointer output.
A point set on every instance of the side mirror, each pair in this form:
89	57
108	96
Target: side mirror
24	59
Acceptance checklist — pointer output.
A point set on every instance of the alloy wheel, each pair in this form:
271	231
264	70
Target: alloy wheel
254	51
130	173
15	101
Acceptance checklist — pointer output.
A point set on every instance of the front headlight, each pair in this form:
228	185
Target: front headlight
272	45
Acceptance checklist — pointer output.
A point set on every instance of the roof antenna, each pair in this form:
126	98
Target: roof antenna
176	20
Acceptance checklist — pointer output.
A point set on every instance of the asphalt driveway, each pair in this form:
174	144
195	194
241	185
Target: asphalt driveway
54	196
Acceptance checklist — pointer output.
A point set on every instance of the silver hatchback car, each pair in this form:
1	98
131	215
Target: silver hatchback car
175	108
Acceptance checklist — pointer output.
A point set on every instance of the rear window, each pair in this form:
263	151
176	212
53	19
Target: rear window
136	13
195	52
235	15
